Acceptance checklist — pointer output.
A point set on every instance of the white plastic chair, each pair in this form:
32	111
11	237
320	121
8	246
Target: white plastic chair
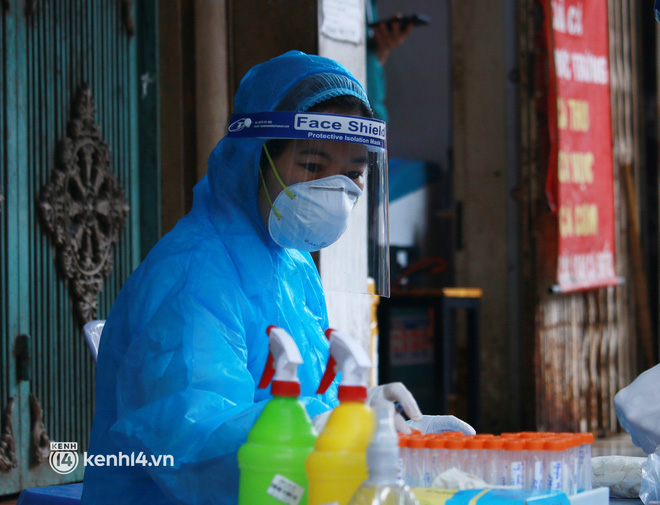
92	332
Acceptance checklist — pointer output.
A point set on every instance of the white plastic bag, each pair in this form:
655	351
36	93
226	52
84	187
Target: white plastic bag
650	489
621	474
638	407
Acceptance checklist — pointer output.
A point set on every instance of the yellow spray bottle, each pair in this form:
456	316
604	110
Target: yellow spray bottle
338	464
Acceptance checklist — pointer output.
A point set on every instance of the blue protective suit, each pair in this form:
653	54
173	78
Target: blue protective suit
185	343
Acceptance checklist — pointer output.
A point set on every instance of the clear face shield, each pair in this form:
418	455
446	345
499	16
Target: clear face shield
323	187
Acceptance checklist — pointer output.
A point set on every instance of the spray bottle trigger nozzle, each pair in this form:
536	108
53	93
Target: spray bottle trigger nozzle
283	360
269	371
328	376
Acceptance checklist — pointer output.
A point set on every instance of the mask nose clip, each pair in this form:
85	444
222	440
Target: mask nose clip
341	189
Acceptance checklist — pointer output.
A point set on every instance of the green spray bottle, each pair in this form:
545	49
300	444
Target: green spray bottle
272	461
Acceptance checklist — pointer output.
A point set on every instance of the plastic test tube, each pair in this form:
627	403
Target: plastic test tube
569	462
406	458
535	461
532	435
416	455
455	458
554	464
403	455
584	465
494	465
453	434
473	454
515	462
437	447
426	463
573	443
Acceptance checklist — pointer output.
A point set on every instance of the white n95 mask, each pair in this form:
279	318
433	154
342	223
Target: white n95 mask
313	214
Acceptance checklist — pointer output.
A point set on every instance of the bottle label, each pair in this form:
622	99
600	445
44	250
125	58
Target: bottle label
426	480
555	474
537	482
517	470
285	490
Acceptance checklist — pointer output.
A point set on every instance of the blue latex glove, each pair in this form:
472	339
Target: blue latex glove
638	409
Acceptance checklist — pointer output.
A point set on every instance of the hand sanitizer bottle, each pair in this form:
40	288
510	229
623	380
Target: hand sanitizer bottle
382	486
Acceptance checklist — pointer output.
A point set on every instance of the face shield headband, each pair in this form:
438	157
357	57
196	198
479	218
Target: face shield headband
333	151
309	125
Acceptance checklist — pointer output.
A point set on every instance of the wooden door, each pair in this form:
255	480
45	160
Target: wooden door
77	176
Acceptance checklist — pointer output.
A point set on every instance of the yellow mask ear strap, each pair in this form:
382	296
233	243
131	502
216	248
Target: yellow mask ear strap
270	201
277	175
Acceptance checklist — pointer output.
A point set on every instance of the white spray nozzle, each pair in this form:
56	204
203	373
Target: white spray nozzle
282	365
348	357
385	434
383	450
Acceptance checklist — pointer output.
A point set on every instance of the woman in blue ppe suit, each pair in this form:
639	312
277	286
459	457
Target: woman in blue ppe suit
185	342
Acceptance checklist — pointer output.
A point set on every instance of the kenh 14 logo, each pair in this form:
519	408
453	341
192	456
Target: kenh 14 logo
63	457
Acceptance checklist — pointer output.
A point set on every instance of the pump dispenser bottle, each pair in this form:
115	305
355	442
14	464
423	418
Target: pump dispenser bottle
272	461
382	487
338	464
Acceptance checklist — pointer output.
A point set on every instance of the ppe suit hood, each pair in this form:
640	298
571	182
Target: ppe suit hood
263	89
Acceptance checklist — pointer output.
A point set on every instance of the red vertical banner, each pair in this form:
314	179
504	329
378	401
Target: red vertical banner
580	179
